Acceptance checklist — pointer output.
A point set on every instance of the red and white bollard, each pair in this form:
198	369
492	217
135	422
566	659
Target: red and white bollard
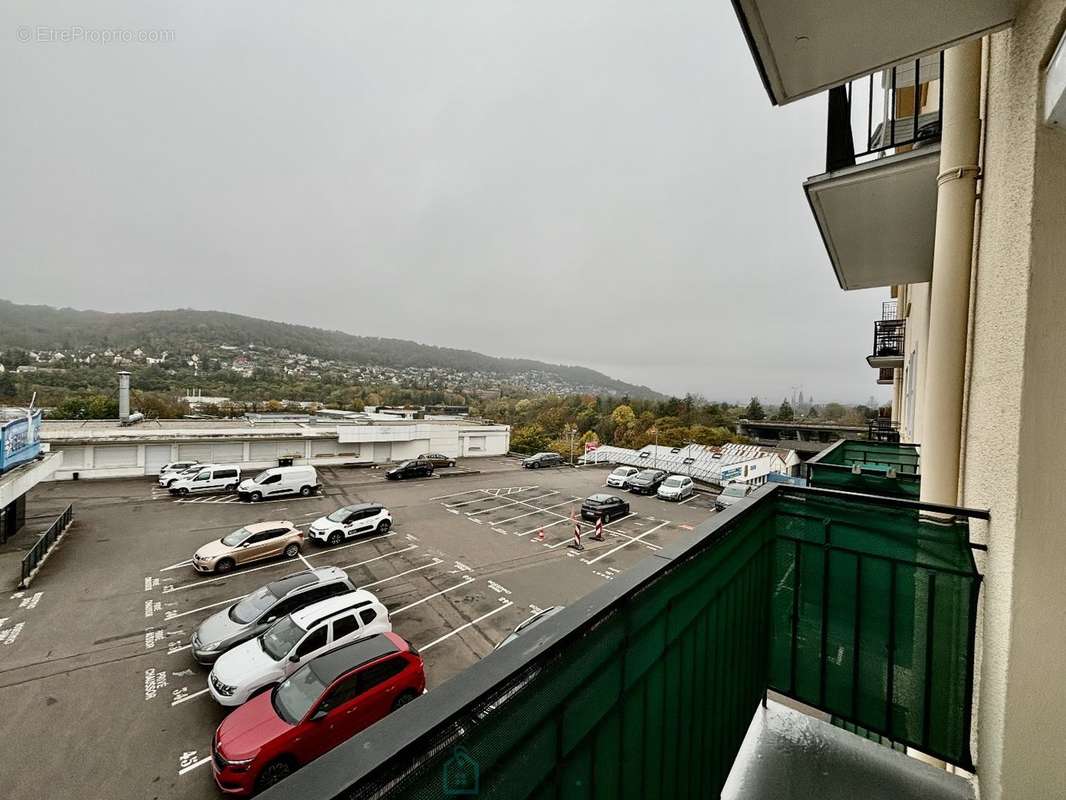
540	535
576	544
598	535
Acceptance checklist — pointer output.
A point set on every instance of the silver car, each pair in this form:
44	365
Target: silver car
254	613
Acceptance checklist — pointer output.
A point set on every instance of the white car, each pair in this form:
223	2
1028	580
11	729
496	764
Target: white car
676	487
207	478
619	478
350	521
170	472
732	493
294	640
278	481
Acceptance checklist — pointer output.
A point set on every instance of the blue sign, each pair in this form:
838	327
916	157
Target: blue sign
730	473
777	477
21	440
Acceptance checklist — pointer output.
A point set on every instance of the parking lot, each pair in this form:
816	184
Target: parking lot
99	644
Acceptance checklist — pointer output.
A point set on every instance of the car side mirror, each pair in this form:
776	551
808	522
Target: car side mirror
245	544
295	659
319	714
269	619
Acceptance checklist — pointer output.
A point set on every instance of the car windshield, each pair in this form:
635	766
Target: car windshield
673	482
235	538
339	515
296	695
648	473
621	471
734	491
252	606
281	637
262	476
404	465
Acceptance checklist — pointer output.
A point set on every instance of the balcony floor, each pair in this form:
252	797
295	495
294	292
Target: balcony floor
788	755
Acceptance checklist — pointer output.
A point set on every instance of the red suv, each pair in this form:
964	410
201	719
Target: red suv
325	702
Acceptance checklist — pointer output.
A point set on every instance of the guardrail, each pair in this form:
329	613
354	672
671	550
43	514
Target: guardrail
32	560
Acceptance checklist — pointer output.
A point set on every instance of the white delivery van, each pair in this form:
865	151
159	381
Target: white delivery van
279	481
209	478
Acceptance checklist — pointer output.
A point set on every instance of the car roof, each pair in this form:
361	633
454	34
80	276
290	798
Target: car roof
675	475
361	506
283	586
600	497
336	662
259	527
623	466
650	470
316	612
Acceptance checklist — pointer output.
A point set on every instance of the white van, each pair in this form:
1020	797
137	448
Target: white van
280	481
209	478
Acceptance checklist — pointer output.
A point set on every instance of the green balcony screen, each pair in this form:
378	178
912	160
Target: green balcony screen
884	468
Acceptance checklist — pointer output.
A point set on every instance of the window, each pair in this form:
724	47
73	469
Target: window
645	455
226	473
689	460
344	626
345	690
378	673
203	476
313	642
272	479
368	615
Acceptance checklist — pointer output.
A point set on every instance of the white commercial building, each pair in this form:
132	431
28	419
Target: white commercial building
737	463
106	449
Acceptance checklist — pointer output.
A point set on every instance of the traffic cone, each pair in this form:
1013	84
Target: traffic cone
540	535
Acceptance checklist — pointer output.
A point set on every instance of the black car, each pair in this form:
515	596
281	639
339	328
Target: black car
605	506
415	468
543	460
646	481
437	459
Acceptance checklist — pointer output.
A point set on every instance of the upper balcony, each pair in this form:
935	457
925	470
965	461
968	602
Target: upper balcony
656	684
875	204
803	47
889	339
885	468
886	376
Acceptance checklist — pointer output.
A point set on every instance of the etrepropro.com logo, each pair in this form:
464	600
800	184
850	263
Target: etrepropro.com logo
78	34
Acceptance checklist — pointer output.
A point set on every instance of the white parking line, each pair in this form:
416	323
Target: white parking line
467	579
194	584
194	765
170	616
174	650
531	513
184	563
378	558
625	544
306	563
432	563
511	503
188	697
539	527
454	494
503	605
690	497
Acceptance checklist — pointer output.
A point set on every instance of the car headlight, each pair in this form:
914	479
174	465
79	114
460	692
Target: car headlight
212	646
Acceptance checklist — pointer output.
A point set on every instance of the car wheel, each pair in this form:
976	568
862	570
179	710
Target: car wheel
305	491
335	538
224	565
255	497
451	463
292	550
183	492
272	773
383	526
231	488
403	699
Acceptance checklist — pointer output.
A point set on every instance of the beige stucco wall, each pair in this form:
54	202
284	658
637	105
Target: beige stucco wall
1015	451
915	306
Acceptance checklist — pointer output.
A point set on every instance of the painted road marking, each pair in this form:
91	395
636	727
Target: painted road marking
690	497
503	605
432	563
189	763
466	579
378	558
454	494
184	563
512	503
531	513
625	544
181	695
171	615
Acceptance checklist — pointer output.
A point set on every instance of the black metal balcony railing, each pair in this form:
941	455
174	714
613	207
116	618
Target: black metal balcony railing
889	339
882	429
889	119
886	376
857	605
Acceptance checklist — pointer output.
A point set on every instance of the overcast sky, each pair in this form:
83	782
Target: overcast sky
596	183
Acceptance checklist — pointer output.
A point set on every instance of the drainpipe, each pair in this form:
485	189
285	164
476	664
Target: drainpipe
950	289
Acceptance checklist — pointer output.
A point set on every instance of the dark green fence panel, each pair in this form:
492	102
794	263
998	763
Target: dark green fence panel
873	618
833	468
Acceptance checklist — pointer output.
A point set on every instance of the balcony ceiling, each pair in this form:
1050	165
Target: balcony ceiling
878	219
802	47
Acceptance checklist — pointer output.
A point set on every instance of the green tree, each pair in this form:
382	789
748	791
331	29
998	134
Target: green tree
623	416
755	410
785	411
834	411
8	387
528	439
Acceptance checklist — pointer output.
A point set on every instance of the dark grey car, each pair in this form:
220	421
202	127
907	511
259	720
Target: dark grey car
255	612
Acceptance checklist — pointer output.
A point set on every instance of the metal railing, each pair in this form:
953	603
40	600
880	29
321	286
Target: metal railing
887	118
889	338
646	687
886	376
40	549
882	429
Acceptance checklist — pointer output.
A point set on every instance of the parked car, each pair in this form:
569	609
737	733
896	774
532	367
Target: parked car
528	624
279	481
415	468
438	459
277	653
604	506
169	472
323	703
539	460
351	521
731	493
167	479
619	478
676	487
255	612
646	481
247	544
207	478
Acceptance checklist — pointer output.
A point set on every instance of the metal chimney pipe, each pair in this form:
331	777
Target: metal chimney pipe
123	396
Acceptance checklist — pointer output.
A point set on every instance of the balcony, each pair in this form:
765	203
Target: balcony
875	205
889	338
803	47
656	684
886	376
892	469
882	429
